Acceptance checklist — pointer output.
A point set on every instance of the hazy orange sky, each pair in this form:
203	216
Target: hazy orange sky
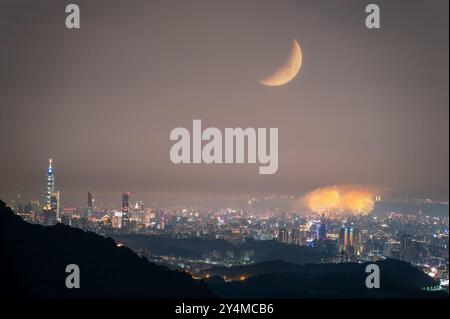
369	107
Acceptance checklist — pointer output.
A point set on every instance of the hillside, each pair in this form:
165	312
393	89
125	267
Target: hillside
279	279
34	259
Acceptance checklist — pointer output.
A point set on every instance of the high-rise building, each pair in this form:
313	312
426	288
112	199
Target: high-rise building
51	213
406	250
136	211
142	213
54	206
357	241
90	204
90	200
51	210
349	241
249	206
342	241
49	185
149	217
295	238
322	230
117	220
125	210
283	236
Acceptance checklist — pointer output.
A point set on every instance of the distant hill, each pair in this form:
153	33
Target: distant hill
187	247
34	258
426	207
267	250
278	279
268	267
194	248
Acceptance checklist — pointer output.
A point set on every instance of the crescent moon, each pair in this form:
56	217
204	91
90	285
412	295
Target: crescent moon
289	70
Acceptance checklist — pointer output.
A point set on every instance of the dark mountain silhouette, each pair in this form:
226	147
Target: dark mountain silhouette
186	247
279	279
267	250
194	248
34	259
403	272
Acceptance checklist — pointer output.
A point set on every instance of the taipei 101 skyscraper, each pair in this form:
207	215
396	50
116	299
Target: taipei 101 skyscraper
49	185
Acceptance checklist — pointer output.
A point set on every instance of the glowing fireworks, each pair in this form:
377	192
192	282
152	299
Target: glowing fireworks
340	201
358	202
324	200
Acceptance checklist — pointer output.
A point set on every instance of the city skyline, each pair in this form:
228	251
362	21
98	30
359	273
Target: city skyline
338	201
420	239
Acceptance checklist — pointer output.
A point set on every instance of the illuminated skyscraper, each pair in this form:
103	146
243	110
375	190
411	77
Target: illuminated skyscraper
142	213
90	204
125	210
346	240
136	211
342	239
295	238
249	206
90	200
406	248
49	185
51	213
283	236
350	241
54	206
357	241
322	230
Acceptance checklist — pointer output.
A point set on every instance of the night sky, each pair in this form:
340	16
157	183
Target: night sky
369	107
